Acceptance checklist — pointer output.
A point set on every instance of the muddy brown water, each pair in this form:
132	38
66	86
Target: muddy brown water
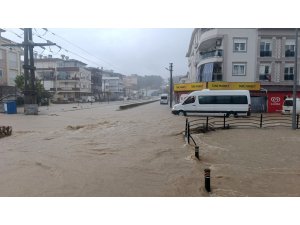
71	150
97	150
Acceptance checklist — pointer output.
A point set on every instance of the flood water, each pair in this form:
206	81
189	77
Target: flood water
97	150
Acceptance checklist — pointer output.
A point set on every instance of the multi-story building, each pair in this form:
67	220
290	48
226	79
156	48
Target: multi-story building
96	75
222	55
265	56
112	87
10	67
68	80
130	85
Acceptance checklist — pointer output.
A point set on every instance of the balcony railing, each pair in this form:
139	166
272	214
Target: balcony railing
265	53
215	53
288	76
217	77
265	77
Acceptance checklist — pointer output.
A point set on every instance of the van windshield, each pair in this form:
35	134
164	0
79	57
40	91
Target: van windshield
288	103
164	97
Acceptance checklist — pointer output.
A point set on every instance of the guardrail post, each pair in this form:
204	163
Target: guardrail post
261	117
186	126
224	121
207	180
188	133
297	121
197	152
207	123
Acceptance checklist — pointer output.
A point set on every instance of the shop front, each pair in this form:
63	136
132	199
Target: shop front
276	94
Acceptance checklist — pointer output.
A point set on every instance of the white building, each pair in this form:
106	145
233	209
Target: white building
68	80
10	63
112	86
222	55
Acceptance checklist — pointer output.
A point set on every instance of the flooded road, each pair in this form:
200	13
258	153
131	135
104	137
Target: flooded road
97	150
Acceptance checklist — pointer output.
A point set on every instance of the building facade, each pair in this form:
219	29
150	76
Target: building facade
67	80
266	56
222	55
10	63
96	85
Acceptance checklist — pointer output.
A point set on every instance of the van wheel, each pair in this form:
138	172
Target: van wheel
181	113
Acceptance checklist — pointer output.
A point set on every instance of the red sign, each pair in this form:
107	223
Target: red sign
275	101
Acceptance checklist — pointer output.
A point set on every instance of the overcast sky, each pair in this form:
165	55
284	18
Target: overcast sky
127	51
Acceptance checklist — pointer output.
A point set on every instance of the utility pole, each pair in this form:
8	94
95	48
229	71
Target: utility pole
171	83
30	92
294	125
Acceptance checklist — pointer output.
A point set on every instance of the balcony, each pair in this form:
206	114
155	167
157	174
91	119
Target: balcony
288	76
210	54
217	77
265	53
265	77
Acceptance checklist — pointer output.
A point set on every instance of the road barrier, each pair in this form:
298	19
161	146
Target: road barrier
122	107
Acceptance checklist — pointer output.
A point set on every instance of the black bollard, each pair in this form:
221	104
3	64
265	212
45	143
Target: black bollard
207	179
197	152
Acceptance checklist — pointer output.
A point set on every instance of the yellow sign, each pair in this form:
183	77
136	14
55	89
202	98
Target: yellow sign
251	86
190	87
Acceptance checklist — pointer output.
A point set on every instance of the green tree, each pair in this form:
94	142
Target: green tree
20	82
42	95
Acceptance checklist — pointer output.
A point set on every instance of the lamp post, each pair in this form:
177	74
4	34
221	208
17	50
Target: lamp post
294	125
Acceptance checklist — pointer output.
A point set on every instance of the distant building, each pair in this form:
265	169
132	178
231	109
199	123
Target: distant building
130	85
96	85
112	87
68	80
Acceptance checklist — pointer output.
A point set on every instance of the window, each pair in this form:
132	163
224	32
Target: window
265	72
189	100
239	69
12	60
240	45
289	72
265	48
1	75
223	99
12	74
290	48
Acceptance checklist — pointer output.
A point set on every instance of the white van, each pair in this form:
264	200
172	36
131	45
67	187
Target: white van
287	107
164	99
215	103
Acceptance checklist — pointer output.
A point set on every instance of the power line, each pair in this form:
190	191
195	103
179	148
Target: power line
66	50
80	48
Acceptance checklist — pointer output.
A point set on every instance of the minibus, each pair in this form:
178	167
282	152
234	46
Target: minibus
215	103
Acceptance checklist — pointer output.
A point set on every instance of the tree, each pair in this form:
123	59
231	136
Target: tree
20	81
42	95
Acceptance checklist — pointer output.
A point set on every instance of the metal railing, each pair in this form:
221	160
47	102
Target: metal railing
205	124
